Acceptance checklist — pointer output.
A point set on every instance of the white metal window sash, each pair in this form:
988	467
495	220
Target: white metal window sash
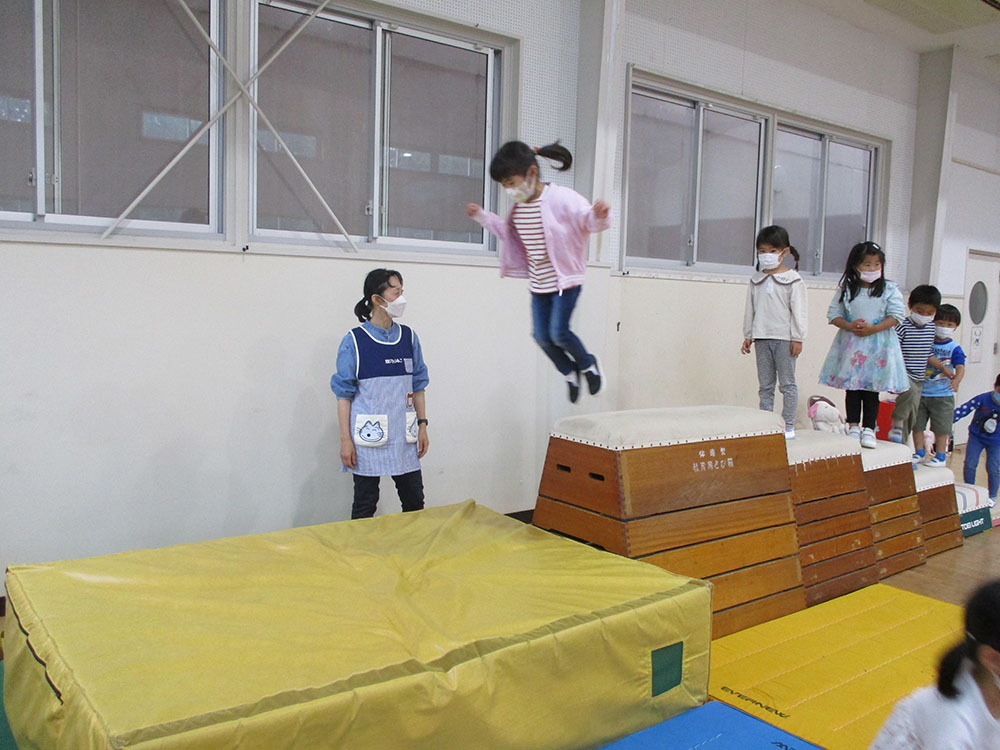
243	92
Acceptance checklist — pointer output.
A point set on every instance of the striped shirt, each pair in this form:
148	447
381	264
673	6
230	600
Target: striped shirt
528	225
917	343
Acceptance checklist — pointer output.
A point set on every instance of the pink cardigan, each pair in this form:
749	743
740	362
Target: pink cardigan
567	223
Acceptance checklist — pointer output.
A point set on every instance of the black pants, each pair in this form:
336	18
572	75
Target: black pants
855	401
409	486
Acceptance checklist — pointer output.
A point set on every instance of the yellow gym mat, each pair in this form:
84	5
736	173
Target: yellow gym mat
452	627
832	673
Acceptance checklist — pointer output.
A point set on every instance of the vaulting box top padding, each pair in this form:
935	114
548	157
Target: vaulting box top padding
449	627
815	445
647	428
885	454
929	477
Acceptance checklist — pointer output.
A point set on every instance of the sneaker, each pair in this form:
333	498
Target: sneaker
573	381
593	376
896	435
991	502
918	458
854	431
868	438
789	433
937	461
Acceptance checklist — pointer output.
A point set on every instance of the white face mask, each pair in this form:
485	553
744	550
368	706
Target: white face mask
522	192
921	320
767	261
943	332
395	308
870	277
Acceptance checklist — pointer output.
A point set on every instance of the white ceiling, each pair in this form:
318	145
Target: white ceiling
925	25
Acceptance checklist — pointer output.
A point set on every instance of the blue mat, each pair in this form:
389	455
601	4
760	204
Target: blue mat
713	725
6	738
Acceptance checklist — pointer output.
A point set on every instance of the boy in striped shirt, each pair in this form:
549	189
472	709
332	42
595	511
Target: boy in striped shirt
916	339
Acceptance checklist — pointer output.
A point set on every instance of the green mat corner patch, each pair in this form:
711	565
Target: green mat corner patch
668	667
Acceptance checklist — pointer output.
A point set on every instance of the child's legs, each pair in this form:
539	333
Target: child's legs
541	318
766	372
785	366
905	412
920	424
862	402
365	496
562	308
941	409
993	469
972	450
410	488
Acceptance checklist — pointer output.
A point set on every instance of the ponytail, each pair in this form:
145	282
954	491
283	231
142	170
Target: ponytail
949	665
515	158
376	282
982	628
795	254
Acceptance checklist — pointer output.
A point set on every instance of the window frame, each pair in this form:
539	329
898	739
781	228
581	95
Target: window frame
232	164
646	83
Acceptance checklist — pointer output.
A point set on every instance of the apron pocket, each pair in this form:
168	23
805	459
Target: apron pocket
371	430
411	427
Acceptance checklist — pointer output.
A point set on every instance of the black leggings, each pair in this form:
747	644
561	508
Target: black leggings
855	401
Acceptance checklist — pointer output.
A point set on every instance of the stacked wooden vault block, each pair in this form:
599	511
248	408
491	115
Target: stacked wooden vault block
938	508
897	527
830	499
701	491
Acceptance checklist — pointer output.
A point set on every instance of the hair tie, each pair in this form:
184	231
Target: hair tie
535	149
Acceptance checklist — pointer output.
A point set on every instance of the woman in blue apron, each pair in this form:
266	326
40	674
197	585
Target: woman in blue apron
379	383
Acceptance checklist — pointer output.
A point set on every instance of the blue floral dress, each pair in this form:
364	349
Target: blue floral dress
866	363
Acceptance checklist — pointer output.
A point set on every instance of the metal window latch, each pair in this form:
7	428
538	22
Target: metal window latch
368	208
31	178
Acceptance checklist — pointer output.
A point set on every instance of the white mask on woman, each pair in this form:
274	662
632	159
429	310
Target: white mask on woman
395	308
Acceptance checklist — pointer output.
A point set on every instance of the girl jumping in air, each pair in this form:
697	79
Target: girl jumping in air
865	357
544	239
775	321
379	383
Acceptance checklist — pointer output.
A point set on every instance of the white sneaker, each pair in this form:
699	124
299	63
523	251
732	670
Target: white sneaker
935	462
854	432
868	438
917	459
789	433
896	435
992	502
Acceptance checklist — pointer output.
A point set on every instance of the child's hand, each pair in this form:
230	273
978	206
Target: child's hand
471	209
857	326
601	209
745	349
796	348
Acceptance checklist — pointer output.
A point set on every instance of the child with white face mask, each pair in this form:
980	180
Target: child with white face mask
774	321
916	340
865	356
544	239
379	383
962	711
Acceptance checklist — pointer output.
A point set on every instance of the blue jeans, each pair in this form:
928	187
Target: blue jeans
972	451
550	315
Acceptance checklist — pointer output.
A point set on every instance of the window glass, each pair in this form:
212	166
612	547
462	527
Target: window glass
796	183
16	106
727	215
133	83
847	189
437	126
318	96
661	154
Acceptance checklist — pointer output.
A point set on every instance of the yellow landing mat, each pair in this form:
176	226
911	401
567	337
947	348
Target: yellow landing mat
832	673
452	627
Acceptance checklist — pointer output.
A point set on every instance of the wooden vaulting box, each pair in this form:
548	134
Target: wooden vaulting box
938	508
897	526
830	499
701	491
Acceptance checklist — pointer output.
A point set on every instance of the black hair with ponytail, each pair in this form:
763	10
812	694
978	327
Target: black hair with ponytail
376	282
982	628
777	237
515	159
